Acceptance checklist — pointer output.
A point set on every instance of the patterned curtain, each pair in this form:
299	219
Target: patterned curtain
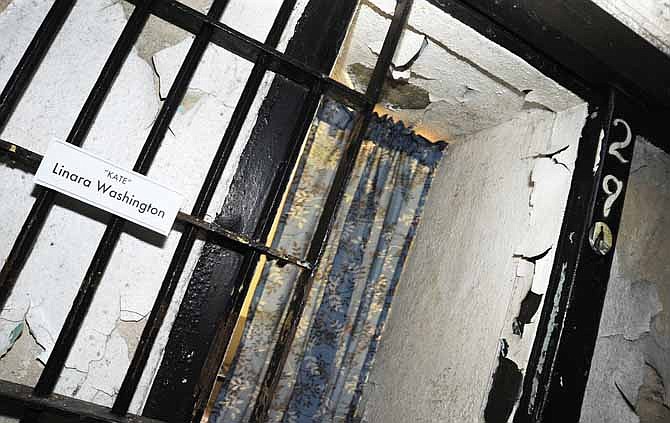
347	306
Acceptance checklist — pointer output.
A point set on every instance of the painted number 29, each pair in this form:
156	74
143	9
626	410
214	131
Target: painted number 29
616	146
611	184
612	195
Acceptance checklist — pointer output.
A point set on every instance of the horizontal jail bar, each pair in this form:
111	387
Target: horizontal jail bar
244	241
30	161
16	399
246	47
315	42
20	157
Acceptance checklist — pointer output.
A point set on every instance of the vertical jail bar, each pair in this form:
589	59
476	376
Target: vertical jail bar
82	301
300	292
9	99
208	310
187	240
222	340
31	59
45	197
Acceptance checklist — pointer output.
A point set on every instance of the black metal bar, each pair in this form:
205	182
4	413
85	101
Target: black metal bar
560	361
222	337
502	32
19	156
16	399
31	59
45	197
279	184
210	299
82	301
187	240
326	221
274	61
579	208
244	241
578	330
234	41
589	41
30	161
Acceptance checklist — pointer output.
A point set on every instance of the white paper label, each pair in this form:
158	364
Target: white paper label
93	180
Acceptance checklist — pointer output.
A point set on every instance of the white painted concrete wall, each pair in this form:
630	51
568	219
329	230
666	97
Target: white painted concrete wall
493	201
50	279
633	347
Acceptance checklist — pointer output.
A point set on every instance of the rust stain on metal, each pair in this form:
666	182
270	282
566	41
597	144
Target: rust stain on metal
245	241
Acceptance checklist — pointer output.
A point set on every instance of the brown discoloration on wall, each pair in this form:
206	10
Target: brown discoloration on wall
399	94
4	4
19	364
156	36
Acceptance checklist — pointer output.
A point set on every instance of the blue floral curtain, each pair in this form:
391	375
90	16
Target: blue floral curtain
351	296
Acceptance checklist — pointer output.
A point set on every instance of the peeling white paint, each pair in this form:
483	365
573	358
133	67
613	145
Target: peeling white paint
462	285
601	139
47	110
410	47
9	334
469	78
49	280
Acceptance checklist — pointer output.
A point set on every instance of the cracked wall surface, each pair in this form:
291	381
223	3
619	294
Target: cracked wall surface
40	300
444	68
485	242
631	363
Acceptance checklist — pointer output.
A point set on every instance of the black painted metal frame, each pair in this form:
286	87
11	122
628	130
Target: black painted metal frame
571	41
558	370
580	46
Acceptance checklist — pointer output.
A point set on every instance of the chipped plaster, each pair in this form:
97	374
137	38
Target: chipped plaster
498	197
4	4
467	77
51	276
